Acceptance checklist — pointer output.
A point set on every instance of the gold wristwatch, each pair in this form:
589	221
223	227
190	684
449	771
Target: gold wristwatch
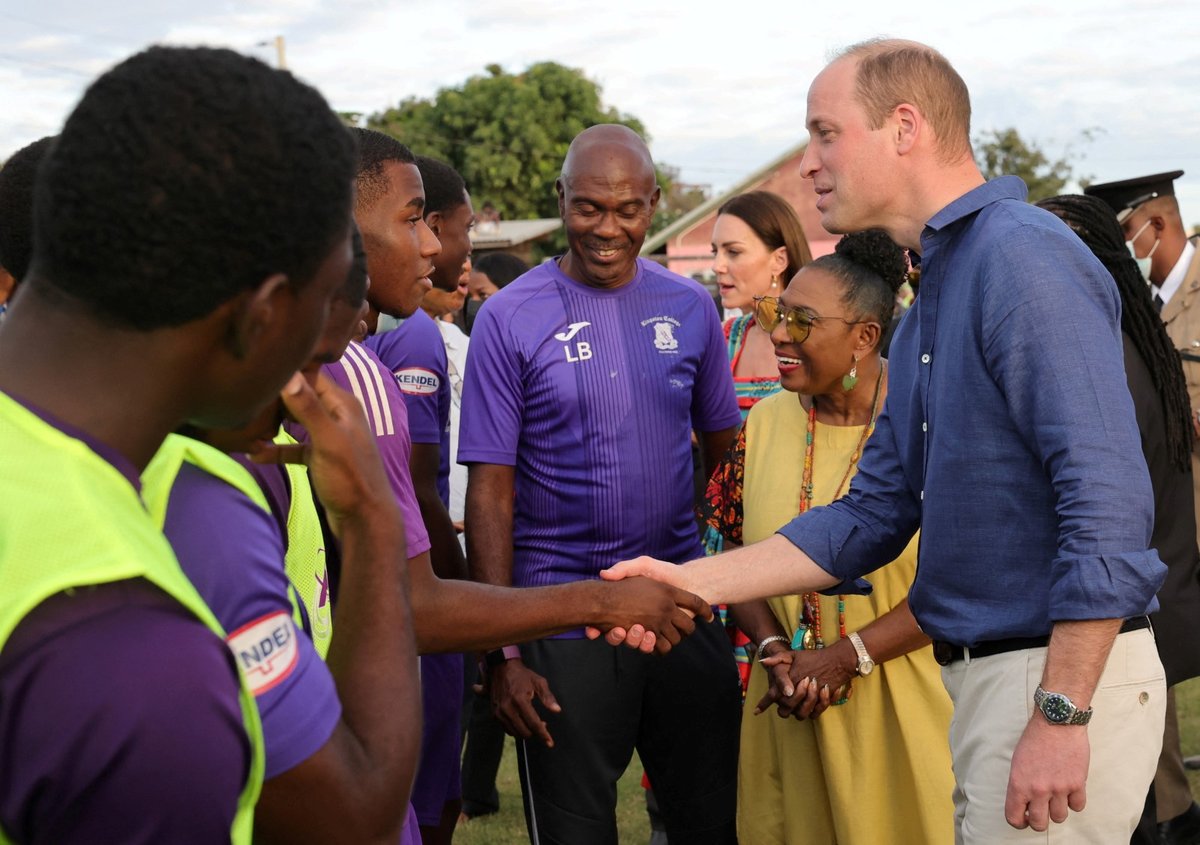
865	664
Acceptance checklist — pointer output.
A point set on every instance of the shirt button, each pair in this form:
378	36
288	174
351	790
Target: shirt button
925	358
924	426
922	495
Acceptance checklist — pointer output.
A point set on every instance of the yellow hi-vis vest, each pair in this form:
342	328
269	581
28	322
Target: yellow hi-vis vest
70	519
305	558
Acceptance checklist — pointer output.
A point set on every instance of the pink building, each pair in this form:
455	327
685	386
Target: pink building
686	245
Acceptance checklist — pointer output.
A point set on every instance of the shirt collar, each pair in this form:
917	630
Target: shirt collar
1175	278
1002	188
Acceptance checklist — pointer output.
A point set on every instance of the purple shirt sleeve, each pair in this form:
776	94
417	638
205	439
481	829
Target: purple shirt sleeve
493	399
120	722
362	373
231	550
416	357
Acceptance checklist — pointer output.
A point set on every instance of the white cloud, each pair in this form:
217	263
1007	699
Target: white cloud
721	90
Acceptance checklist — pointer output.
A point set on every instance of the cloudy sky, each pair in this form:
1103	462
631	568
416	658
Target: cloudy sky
721	91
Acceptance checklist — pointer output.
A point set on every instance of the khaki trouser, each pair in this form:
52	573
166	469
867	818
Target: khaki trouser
993	701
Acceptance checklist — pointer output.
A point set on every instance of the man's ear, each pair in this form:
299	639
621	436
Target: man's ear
434	220
907	124
654	198
256	313
561	191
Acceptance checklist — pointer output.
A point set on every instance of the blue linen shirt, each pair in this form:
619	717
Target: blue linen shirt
1008	436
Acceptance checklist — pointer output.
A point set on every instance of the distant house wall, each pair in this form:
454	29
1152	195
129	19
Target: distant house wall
691	252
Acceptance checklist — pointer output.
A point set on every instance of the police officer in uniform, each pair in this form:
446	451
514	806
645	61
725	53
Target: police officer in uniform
1149	216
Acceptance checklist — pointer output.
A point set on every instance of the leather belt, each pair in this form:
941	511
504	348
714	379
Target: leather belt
946	653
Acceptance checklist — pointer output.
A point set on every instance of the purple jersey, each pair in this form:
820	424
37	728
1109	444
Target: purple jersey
362	373
592	394
416	356
232	551
160	756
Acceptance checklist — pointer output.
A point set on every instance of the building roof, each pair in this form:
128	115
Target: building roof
510	233
658	242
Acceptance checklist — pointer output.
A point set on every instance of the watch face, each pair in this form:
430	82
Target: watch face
1057	708
865	667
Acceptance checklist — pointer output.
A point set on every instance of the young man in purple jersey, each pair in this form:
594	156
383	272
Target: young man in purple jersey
192	225
584	381
342	737
415	355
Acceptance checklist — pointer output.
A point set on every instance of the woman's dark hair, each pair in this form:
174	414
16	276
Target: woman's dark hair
775	222
1093	221
871	268
500	267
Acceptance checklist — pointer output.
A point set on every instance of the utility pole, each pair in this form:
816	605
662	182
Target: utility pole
280	51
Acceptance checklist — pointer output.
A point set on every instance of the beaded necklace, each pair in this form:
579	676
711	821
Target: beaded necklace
808	629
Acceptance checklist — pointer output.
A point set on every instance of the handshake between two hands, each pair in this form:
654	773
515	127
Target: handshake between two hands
648	606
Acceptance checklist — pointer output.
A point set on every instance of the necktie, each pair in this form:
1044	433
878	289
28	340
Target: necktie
1158	303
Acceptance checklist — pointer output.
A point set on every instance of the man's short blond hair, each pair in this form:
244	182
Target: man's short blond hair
892	71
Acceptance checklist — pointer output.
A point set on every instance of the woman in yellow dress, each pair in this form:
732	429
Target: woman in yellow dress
875	767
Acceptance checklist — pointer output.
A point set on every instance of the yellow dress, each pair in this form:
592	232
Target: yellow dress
875	770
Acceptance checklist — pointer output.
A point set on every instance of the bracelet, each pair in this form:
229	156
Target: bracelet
777	638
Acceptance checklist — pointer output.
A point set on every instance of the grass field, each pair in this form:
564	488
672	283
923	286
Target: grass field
508	826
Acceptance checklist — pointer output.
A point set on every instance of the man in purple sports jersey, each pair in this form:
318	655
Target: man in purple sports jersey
192	225
341	737
415	355
585	379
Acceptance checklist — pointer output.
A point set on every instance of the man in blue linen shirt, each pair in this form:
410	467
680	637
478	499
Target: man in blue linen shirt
1009	438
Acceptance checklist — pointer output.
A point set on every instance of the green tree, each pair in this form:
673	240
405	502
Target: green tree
678	198
1001	152
505	133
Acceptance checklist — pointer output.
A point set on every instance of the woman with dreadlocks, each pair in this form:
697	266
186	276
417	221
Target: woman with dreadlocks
1160	399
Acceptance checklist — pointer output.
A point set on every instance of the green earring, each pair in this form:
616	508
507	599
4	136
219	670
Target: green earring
850	379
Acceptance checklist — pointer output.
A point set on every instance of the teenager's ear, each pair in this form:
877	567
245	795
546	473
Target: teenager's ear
254	311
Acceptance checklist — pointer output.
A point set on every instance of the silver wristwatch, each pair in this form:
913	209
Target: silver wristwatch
865	664
1058	709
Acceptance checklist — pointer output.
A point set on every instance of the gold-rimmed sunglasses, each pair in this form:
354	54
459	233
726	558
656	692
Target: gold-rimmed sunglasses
769	312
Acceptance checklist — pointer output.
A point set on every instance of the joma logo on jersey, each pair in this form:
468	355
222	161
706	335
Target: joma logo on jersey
582	349
266	650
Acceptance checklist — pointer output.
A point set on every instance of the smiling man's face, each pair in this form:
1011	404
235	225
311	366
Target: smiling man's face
606	201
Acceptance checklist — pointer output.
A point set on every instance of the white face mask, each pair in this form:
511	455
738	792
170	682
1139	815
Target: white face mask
1142	263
